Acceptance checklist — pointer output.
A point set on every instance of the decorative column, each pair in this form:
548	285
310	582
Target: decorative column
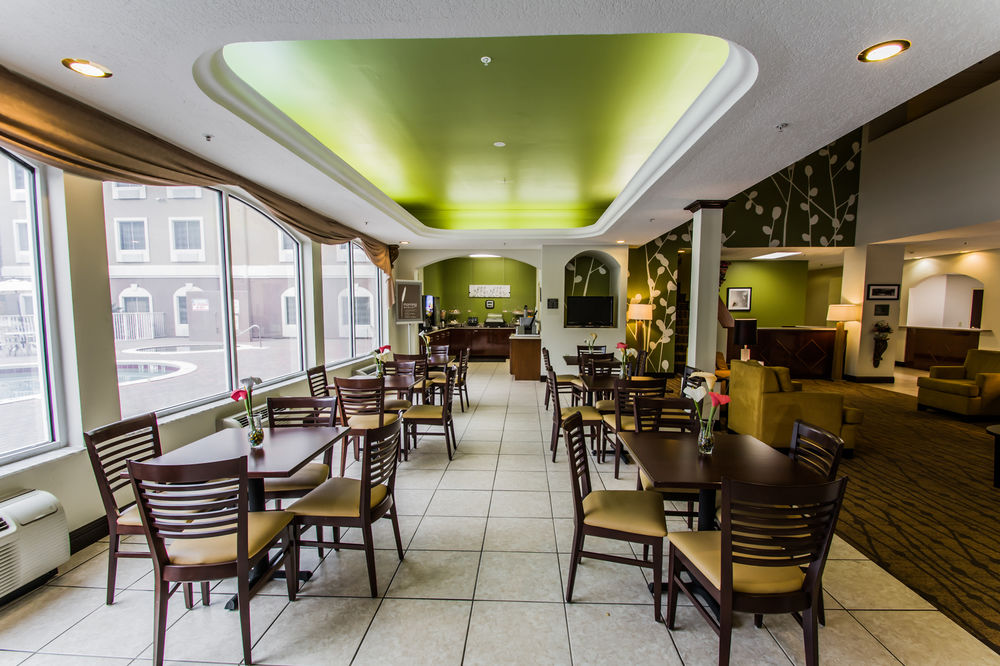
706	250
865	266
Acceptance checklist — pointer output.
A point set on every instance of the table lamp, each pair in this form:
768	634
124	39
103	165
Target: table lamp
745	334
841	312
640	312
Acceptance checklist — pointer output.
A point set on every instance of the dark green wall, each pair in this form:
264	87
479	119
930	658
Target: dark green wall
778	296
450	279
587	276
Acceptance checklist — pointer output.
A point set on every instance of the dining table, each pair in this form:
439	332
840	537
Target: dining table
671	460
283	453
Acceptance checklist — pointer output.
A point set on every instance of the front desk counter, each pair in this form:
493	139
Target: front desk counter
485	343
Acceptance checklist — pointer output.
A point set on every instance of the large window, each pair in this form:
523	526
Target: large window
167	295
353	290
25	395
265	287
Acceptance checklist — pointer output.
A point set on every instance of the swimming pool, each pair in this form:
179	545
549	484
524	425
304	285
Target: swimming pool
23	381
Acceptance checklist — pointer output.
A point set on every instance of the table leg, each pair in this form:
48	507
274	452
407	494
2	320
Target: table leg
706	509
256	502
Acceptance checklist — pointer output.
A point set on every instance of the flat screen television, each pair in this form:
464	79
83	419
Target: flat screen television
590	311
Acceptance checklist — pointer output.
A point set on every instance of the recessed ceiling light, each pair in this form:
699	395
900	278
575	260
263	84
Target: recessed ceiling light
776	255
884	50
87	68
486	60
404	242
484	256
499	144
620	242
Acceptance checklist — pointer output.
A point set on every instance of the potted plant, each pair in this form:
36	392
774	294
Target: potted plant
880	333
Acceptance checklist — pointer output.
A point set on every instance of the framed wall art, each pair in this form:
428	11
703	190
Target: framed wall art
738	299
882	292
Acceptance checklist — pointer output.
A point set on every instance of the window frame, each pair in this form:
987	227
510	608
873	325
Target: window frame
179	192
16	193
131	256
121	191
345	317
22	256
186	255
46	323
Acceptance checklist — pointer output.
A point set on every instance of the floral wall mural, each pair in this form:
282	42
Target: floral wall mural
813	202
587	276
652	278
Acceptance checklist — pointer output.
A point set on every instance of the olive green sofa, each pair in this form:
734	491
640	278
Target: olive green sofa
971	389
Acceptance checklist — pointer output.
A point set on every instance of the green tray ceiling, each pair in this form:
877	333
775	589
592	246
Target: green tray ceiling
418	117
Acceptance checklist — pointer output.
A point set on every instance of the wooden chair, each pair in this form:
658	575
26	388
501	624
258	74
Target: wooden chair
432	415
198	528
421	388
344	503
404	398
667	414
816	448
591	417
626	392
362	407
598	366
768	558
318	382
625	515
596	349
110	448
584	359
436	350
564	383
638	368
461	374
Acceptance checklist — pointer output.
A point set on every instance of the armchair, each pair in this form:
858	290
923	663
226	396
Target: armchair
766	403
971	389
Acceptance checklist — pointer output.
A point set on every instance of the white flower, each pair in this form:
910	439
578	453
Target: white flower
696	393
709	378
249	382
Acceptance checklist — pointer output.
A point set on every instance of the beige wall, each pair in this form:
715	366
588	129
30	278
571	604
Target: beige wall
822	289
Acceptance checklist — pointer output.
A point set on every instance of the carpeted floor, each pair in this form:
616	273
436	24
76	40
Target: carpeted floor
921	503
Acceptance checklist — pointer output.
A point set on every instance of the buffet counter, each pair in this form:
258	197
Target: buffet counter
485	342
807	351
938	345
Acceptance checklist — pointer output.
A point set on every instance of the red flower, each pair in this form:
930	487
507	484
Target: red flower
239	394
622	345
384	349
719	399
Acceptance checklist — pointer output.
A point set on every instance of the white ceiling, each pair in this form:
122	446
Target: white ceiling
808	77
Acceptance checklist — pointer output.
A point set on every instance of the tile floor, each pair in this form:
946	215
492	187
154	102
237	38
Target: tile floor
482	583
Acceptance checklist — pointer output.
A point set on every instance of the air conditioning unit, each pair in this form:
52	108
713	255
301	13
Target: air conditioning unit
240	420
34	538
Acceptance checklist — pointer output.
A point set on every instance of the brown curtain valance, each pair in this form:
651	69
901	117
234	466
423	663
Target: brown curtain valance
60	131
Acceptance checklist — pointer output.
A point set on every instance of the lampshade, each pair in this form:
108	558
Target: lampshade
745	333
639	312
843	312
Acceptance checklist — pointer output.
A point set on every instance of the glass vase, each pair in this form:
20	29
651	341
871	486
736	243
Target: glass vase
706	438
256	432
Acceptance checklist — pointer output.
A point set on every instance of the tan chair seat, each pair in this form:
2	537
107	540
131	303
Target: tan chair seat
566	379
704	549
577	382
262	527
130	517
397	404
370	421
853	415
336	498
635	511
964	387
589	414
605	406
628	422
647	484
424	412
306	478
436	374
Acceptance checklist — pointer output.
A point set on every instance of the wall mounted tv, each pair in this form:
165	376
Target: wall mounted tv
590	311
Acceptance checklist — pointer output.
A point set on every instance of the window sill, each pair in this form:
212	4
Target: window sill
10	469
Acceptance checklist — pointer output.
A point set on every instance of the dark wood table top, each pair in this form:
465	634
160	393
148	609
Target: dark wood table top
672	460
438	360
599	383
284	452
392	382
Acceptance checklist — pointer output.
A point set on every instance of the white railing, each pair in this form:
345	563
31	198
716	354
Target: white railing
17	323
138	325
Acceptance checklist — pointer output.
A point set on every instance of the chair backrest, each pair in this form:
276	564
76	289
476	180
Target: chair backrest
654	414
639	367
450	374
601	367
596	349
360	396
111	446
378	464
316	377
463	365
546	359
816	448
397	367
550	380
299	411
579	464
627	390
438	350
193	501
419	364
779	526
584	358
688	380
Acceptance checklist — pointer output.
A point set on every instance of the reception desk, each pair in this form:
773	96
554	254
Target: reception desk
938	345
482	341
807	351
